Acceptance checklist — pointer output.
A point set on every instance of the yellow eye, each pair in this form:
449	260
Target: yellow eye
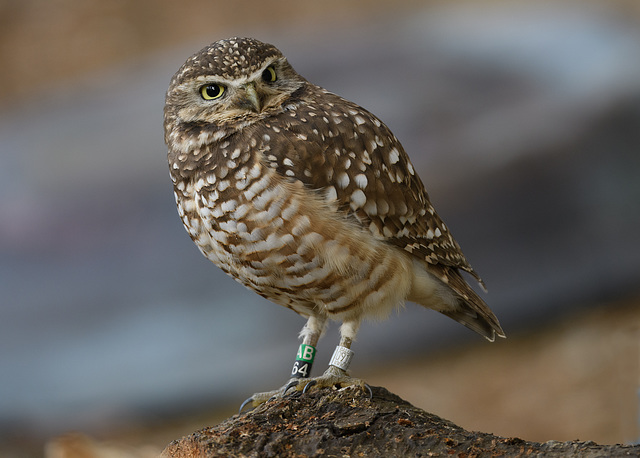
211	91
269	74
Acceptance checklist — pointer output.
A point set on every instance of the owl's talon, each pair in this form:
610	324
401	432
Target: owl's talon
288	386
370	391
309	385
244	404
268	396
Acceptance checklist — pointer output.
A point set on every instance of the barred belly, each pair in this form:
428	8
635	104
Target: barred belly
296	251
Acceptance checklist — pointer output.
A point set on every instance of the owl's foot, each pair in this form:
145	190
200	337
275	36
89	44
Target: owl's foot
333	377
260	398
336	374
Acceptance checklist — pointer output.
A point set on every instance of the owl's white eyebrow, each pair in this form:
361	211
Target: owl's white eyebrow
205	79
236	82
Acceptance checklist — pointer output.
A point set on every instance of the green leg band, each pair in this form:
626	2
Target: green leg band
304	360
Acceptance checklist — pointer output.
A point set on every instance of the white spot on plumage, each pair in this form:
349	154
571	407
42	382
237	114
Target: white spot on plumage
218	135
229	205
241	174
242	183
394	156
291	210
272	242
311	238
263	200
216	212
228	226
210	198
257	187
255	235
189	205
241	212
254	172
370	208
361	180
358	199
301	224
343	180
331	194
311	276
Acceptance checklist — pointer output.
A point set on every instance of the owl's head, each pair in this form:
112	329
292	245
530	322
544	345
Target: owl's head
230	82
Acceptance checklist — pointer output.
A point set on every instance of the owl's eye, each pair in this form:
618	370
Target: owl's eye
211	91
269	74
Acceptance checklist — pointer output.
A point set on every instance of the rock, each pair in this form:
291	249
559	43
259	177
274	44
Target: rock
347	423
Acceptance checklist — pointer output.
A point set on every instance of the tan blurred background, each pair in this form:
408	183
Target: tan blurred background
523	119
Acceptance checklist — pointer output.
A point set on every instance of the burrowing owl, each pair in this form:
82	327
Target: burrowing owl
307	199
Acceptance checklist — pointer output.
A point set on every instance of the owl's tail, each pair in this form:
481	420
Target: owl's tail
443	289
472	311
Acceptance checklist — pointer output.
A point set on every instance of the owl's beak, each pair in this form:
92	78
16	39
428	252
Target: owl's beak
251	100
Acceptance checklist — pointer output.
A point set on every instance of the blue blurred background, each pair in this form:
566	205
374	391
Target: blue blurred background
523	119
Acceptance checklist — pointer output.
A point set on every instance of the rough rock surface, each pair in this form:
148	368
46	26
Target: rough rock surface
347	423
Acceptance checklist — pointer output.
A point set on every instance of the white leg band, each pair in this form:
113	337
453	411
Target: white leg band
341	358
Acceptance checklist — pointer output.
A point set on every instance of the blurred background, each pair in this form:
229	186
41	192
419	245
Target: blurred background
523	119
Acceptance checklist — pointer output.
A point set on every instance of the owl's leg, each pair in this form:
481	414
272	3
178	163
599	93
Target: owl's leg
336	375
311	333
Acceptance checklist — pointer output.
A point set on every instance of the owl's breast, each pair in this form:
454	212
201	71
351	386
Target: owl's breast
286	242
